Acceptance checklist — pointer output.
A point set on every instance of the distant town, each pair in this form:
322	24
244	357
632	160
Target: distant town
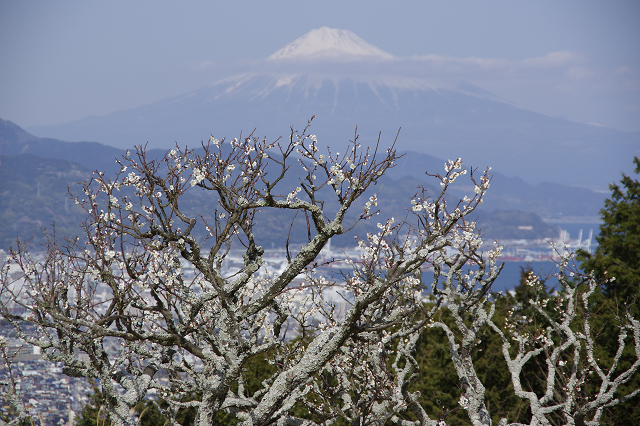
55	398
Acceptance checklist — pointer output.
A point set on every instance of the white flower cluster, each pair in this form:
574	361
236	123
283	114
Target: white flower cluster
494	253
293	195
197	176
131	179
419	205
337	174
376	245
451	177
163	268
373	201
532	279
466	237
107	216
484	184
109	254
544	339
177	160
137	182
453	165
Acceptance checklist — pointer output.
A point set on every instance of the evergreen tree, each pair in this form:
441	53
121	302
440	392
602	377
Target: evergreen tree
616	264
616	261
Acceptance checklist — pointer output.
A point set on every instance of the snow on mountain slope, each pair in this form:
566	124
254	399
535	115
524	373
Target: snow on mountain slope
330	43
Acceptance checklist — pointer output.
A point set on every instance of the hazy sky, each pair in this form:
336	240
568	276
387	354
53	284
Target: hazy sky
64	60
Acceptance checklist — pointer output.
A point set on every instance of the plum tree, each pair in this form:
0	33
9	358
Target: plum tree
160	329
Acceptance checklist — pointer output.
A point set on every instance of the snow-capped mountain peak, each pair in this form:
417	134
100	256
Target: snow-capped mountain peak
330	43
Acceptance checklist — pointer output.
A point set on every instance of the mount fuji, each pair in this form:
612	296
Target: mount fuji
346	82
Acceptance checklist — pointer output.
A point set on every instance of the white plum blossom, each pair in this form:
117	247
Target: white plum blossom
197	177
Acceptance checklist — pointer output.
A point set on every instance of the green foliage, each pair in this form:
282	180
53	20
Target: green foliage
11	414
618	252
616	263
149	412
439	385
257	369
93	413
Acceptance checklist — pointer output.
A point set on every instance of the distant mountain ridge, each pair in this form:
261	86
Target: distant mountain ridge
552	201
35	173
92	155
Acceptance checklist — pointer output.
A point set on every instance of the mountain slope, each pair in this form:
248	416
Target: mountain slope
92	155
444	123
34	196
